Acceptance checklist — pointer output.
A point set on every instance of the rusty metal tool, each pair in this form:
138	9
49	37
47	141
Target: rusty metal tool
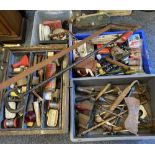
67	50
108	111
114	62
53	105
100	124
50	71
22	82
131	122
52	118
24	61
121	97
37	112
59	55
83	120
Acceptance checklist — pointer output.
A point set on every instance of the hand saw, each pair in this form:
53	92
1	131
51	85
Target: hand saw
59	55
63	53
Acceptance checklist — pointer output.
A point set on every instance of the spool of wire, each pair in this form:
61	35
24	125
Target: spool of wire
30	117
11	123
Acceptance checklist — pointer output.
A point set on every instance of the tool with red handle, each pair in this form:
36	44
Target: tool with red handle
23	62
126	36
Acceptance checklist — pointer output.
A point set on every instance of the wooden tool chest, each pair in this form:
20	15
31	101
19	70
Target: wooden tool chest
22	127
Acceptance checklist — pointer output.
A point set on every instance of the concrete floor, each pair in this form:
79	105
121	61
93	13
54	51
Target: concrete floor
147	21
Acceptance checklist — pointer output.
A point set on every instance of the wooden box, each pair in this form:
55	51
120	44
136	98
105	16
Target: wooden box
23	129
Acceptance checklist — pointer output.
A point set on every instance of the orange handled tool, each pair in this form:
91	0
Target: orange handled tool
126	36
23	62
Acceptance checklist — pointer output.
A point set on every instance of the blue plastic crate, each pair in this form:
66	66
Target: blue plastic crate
147	66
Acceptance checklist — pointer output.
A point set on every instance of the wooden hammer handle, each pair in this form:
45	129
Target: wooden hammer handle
114	62
120	98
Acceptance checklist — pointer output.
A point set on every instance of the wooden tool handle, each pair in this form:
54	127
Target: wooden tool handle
100	124
37	112
114	62
103	91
